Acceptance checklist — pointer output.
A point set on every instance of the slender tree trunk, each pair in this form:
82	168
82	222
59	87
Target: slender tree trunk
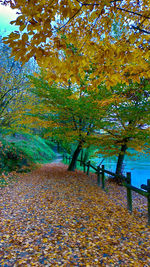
86	154
81	157
120	162
72	165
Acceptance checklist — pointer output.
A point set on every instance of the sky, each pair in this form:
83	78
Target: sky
6	15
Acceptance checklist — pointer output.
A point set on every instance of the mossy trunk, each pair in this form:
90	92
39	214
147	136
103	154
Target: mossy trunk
72	164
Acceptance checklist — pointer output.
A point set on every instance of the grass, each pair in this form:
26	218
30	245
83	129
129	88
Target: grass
33	147
20	152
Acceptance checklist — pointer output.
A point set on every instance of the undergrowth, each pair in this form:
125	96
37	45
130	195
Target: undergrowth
20	153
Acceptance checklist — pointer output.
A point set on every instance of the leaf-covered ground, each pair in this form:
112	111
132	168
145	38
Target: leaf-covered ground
52	217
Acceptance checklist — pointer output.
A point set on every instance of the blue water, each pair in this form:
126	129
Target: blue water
140	170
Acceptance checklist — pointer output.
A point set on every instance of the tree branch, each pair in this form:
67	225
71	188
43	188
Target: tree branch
132	12
74	121
108	131
69	19
87	4
139	29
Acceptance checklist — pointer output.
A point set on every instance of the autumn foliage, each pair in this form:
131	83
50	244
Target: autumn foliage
90	44
85	30
91	88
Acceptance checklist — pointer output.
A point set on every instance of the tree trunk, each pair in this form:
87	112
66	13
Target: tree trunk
72	165
81	157
86	154
120	163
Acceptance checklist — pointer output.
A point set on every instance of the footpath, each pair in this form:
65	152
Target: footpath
52	217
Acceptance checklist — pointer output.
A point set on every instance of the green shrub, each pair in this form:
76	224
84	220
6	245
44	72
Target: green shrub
11	158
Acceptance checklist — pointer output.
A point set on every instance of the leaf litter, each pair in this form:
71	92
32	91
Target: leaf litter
52	217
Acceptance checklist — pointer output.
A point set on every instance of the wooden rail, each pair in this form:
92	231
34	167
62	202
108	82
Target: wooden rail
144	191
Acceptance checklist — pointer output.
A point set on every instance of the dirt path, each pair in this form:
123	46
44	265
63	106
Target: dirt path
58	158
51	217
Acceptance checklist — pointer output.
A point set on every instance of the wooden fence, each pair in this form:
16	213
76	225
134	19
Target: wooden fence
144	191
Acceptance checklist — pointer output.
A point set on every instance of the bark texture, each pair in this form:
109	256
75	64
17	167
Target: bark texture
119	167
72	164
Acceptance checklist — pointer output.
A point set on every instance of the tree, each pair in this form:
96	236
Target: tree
68	113
71	38
128	122
46	28
13	86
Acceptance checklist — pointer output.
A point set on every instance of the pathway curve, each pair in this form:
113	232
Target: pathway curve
58	158
51	217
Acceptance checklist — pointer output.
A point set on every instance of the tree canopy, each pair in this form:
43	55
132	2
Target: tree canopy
69	113
46	28
127	122
96	60
112	120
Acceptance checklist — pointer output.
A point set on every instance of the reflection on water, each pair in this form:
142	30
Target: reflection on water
140	170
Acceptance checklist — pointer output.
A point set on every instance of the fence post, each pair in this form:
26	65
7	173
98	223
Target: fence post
88	167
103	177
98	175
148	200
129	192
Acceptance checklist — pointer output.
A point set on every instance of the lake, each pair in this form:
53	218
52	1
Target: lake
139	168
